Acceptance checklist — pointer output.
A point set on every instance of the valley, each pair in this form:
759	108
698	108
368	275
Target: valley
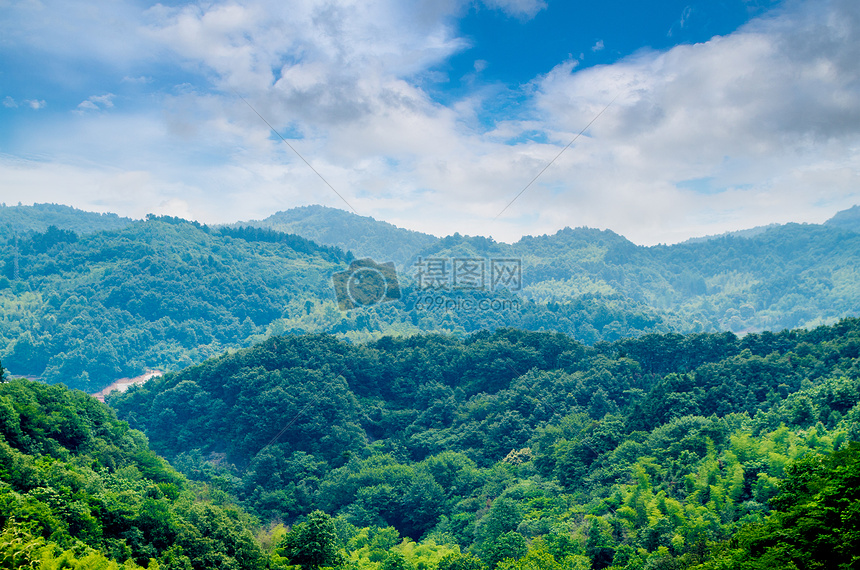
685	406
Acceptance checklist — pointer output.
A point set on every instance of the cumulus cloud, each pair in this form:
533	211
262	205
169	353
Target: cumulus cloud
763	112
755	127
97	102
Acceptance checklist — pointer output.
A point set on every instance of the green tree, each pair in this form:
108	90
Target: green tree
457	561
396	561
312	544
511	545
816	522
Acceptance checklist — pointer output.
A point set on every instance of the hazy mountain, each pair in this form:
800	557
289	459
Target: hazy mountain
737	233
786	276
362	235
38	217
846	219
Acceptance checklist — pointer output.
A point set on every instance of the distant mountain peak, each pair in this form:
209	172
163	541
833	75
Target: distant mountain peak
364	236
846	219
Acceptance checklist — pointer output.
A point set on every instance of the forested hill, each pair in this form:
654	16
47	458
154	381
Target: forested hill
19	220
846	219
362	235
667	451
80	490
768	278
88	307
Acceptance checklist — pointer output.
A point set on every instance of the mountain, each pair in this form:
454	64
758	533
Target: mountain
362	235
38	217
503	407
786	276
161	293
846	219
643	453
164	293
747	233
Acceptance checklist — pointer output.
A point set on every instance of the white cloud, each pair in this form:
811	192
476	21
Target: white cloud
769	116
97	102
598	46
769	113
34	104
685	16
524	9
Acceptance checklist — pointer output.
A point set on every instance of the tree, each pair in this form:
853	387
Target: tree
312	544
816	522
511	545
457	561
396	561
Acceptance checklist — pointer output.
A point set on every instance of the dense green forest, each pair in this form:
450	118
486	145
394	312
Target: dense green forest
89	298
161	293
524	450
785	277
80	489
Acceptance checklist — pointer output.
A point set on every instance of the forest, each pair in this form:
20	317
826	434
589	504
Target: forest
672	407
80	489
88	298
516	449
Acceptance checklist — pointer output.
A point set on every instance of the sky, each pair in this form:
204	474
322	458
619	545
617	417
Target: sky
441	116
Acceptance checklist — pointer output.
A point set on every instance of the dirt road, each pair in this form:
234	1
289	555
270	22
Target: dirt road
123	383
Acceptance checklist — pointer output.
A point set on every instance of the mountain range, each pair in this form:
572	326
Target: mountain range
87	297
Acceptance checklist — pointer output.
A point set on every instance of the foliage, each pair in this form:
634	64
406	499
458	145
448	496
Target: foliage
79	489
88	298
312	544
816	521
523	449
39	217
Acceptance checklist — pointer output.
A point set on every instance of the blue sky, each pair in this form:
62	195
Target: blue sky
433	115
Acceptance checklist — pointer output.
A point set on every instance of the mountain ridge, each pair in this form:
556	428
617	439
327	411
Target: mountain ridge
165	293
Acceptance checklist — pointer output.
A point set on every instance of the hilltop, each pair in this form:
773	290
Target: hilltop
88	307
